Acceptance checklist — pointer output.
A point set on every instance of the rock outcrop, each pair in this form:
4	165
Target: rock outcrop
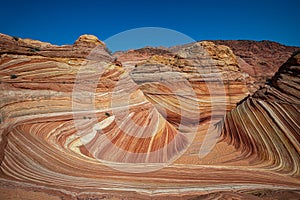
265	128
259	59
79	123
80	50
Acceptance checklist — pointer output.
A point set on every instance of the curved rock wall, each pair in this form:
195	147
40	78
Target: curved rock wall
265	126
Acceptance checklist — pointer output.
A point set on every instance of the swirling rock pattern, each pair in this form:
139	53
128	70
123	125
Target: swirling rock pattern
74	125
265	126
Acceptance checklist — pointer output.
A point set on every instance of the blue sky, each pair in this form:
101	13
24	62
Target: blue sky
62	22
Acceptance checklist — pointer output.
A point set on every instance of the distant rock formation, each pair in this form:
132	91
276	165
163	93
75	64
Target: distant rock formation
259	59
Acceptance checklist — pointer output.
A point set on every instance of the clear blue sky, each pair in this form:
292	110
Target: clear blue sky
62	22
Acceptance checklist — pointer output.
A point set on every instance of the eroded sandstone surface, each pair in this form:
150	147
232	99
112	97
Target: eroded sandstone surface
172	123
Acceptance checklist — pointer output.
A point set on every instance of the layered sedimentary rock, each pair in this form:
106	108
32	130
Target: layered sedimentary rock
265	126
79	50
78	124
259	60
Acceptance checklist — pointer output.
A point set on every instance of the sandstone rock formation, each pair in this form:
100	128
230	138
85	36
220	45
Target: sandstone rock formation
264	126
260	60
80	50
76	123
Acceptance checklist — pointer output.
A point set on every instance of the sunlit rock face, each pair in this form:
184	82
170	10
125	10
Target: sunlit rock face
75	124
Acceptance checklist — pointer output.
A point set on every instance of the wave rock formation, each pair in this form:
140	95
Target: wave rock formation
178	123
